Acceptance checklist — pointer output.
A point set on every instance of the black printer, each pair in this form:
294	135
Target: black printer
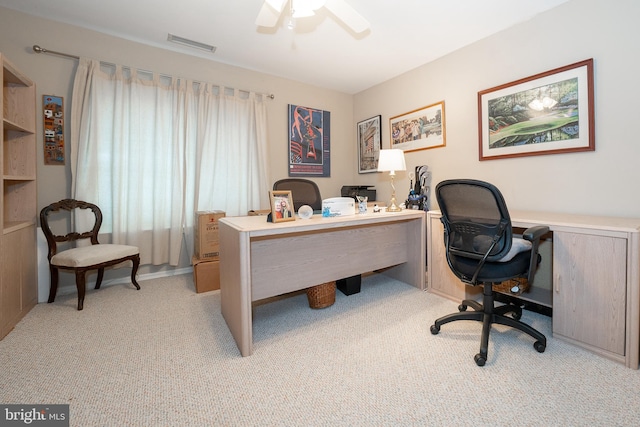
359	190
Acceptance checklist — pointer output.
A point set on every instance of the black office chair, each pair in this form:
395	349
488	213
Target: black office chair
303	192
481	250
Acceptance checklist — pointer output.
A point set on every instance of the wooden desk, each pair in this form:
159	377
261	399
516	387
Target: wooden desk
595	279
260	260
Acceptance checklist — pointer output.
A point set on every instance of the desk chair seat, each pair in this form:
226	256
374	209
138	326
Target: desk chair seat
92	255
482	251
82	259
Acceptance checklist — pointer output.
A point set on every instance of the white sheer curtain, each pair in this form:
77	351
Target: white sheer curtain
152	150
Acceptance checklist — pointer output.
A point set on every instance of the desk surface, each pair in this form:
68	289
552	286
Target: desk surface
257	225
557	220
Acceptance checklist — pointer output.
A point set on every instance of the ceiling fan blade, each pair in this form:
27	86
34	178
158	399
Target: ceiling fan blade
347	14
270	13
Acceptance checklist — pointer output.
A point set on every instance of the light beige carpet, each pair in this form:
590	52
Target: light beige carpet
163	356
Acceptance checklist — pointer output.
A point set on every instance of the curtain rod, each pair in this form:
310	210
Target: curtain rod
38	49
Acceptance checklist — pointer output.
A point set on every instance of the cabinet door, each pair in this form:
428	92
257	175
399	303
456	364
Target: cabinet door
18	281
589	297
10	301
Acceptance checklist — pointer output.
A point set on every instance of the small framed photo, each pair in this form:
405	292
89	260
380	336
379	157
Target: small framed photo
369	142
281	206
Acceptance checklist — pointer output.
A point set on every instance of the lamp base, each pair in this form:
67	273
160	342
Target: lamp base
393	207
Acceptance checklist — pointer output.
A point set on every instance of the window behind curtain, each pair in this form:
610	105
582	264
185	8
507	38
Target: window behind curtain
152	150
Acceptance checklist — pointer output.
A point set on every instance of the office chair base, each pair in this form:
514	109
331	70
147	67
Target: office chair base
488	315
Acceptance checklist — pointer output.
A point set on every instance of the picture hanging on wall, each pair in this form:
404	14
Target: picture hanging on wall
548	113
369	143
419	129
309	142
53	129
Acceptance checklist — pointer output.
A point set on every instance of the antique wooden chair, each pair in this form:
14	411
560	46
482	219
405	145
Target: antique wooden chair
82	259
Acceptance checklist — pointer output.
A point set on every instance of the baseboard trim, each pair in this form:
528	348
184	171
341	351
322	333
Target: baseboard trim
66	290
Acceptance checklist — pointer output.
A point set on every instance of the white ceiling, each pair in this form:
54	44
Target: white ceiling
321	51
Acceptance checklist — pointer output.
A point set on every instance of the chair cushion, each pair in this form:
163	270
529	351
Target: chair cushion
493	272
92	255
517	245
482	243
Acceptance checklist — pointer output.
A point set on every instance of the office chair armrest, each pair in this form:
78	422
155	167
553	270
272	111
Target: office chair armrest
535	233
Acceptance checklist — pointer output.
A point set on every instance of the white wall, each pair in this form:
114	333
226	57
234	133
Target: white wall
603	182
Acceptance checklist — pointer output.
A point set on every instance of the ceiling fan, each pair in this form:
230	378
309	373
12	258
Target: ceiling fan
272	9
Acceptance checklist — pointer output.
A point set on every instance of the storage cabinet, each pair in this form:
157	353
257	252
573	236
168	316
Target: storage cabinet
589	290
595	279
18	282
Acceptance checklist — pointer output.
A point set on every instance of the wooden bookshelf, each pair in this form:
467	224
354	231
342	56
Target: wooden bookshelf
18	270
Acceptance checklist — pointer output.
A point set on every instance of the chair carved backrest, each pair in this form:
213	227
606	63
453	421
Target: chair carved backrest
69	205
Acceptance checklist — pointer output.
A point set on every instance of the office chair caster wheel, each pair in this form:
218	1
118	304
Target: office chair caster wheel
435	329
540	348
462	307
480	359
516	315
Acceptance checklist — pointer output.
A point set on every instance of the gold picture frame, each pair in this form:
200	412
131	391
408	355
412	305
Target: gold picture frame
281	206
419	129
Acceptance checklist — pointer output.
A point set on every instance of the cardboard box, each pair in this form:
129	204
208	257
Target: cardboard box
206	275
206	239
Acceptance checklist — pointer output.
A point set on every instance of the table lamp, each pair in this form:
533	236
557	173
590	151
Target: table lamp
392	161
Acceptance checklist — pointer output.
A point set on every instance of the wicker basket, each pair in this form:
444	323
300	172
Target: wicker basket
513	286
322	296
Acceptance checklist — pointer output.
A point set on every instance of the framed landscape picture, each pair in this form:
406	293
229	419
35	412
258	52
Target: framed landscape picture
419	129
369	143
548	113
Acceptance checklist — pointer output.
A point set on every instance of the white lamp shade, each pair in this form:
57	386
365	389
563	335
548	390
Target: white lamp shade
391	161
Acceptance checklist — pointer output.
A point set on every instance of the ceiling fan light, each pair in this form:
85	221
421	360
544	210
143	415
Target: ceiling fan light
302	13
301	9
315	4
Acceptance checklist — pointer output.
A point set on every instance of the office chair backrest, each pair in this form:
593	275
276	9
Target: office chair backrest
475	216
303	192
